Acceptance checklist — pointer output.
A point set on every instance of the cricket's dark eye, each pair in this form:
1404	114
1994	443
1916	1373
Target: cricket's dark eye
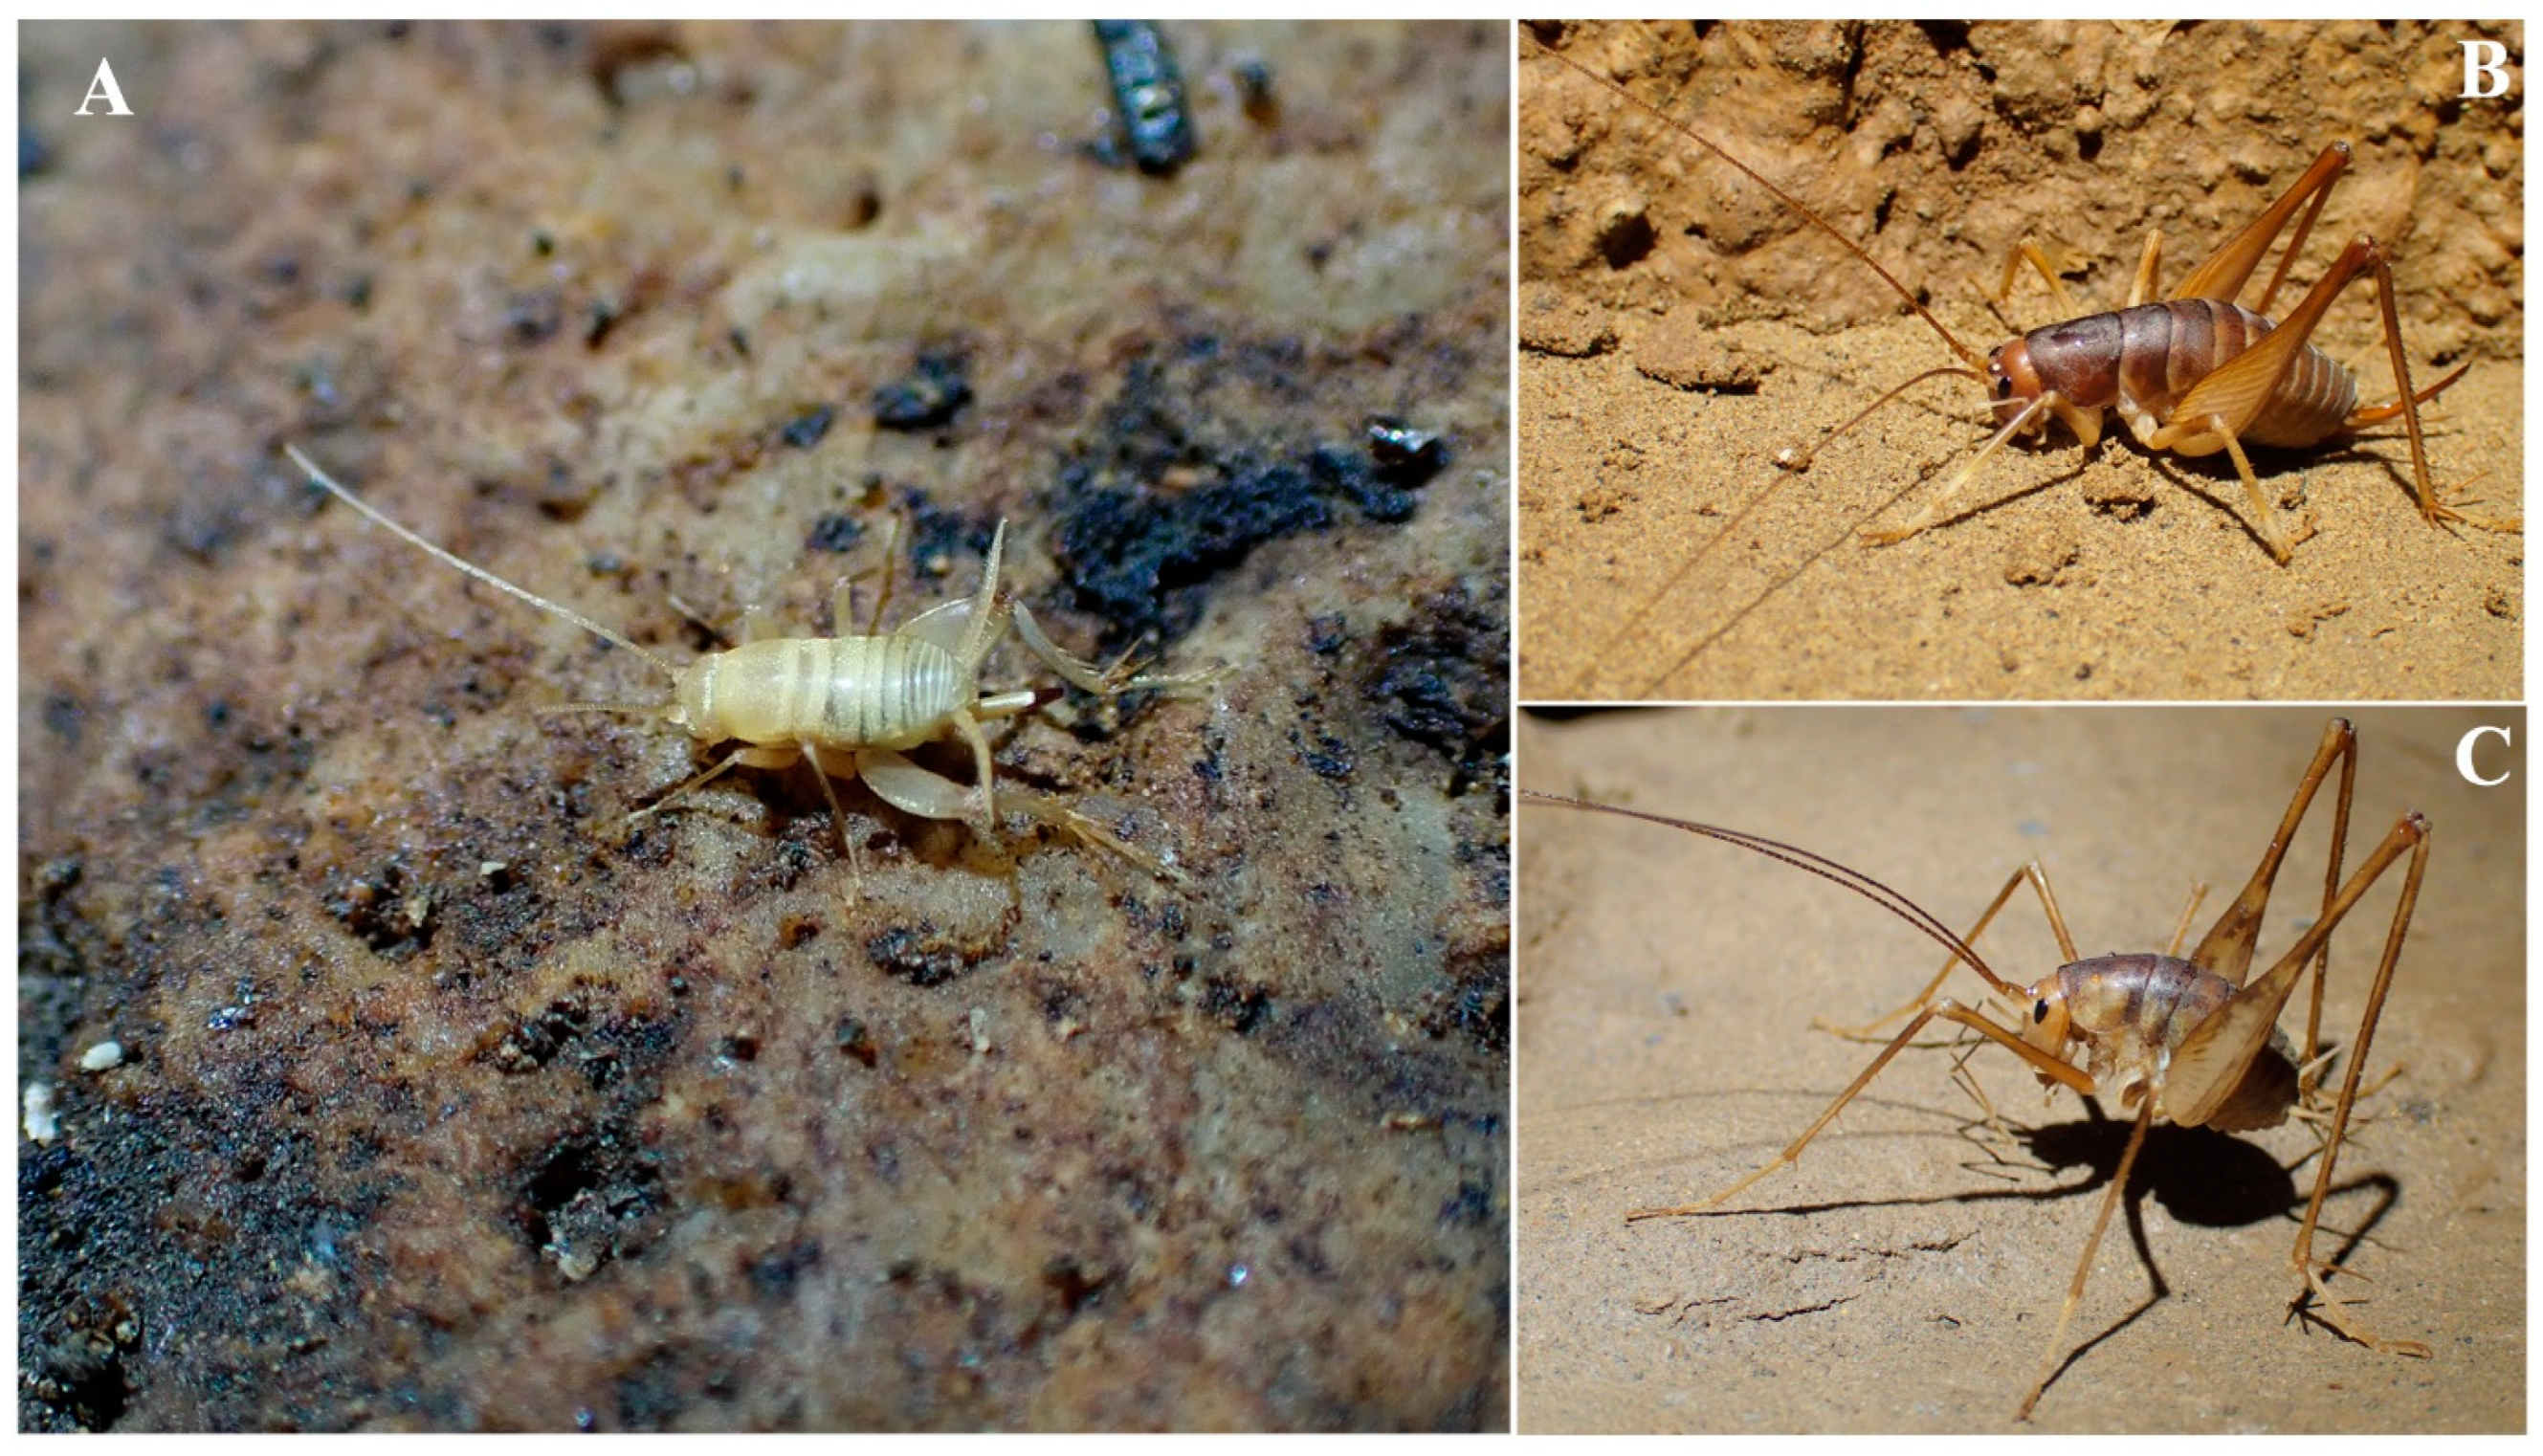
2039	1013
2003	387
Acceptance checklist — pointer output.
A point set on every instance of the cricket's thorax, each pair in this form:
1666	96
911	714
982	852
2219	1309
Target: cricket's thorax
2133	1012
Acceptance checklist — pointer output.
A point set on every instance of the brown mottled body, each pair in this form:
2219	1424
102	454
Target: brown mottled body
2131	1013
2142	360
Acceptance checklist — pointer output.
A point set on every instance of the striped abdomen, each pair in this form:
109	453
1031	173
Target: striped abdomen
2145	359
838	692
2138	1008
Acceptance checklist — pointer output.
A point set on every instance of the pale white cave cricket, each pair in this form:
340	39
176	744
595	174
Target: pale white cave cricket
853	706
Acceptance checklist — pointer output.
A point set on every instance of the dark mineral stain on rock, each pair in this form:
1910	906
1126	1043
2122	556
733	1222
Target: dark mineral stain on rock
929	396
1143	559
1443	680
916	954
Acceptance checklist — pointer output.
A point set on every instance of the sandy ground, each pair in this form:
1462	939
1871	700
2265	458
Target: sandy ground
453	1098
1679	328
1903	1277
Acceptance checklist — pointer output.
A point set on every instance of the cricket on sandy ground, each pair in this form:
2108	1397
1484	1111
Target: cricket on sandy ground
2193	1040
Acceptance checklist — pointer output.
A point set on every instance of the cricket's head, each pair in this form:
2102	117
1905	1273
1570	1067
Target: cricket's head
691	709
2011	383
2046	1024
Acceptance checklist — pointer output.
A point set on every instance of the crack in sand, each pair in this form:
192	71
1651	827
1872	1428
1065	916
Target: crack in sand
1937	1244
1684	1305
1779	1316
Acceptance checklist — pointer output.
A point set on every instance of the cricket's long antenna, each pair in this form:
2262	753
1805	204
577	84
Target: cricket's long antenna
1968	355
1809	864
1798	461
1795	461
478	572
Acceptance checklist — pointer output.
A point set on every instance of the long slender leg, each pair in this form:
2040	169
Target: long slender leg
2037	876
838	818
932	796
842	608
1945	504
738	757
2334	1311
2084	1267
843	604
2208	1063
1121	678
632	709
2149	267
890	574
2188	911
2226	949
2281	540
695	617
1946	1009
2029	251
2431	509
985	770
986	623
2212	432
2039	879
2378	414
2330	897
2304	229
1067	665
2409	408
2223	406
2223	274
1088	828
913	790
